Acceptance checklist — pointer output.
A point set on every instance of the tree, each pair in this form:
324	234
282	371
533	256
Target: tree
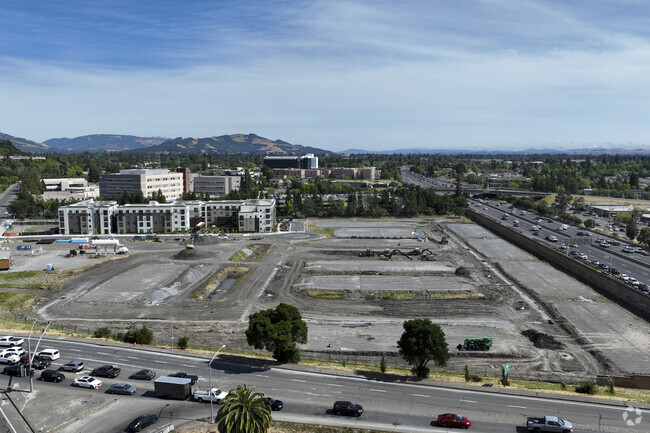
93	172
421	342
278	330
631	230
644	236
244	411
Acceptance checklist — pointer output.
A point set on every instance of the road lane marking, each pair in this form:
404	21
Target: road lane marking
74	350
133	357
470	401
298	380
103	353
334	384
161	362
377	390
422	395
187	365
518	407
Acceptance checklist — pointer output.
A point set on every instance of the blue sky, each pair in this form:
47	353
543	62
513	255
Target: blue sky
378	75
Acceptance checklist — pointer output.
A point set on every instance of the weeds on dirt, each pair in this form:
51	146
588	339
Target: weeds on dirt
236	272
15	300
328	233
327	294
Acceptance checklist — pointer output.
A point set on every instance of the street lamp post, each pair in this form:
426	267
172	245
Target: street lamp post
171	313
210	380
31	357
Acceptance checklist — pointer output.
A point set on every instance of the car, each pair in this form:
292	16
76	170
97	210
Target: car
624	277
142	421
15	349
275	404
9	358
9	340
75	366
51	354
18	371
638	250
628	250
580	233
573	245
540	220
644	252
39	364
87	382
347	408
583	256
633	281
604	245
595	262
575	253
563	246
122	388
143	374
615	271
644	287
106	371
523	212
453	420
604	266
52	376
193	378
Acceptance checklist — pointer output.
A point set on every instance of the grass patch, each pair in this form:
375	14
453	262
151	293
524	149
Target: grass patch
327	232
15	300
327	294
230	272
22	275
456	295
392	296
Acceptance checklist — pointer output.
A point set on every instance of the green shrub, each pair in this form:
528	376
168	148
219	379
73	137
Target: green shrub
102	333
610	386
182	343
586	387
467	375
562	385
382	363
504	377
475	378
139	336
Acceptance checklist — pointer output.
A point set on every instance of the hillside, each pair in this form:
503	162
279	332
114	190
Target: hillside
26	145
235	143
102	143
8	149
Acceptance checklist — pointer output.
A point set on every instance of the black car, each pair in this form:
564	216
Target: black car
106	371
41	364
615	271
142	421
18	370
143	374
275	404
52	376
347	408
193	378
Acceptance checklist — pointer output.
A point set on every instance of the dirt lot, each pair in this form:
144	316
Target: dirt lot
353	296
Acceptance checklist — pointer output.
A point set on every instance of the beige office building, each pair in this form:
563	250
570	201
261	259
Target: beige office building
147	181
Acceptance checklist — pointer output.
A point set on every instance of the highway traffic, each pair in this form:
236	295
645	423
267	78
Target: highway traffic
409	406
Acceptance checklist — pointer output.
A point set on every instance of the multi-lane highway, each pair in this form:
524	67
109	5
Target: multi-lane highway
634	265
400	406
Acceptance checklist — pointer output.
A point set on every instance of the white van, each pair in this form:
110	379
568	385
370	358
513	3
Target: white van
51	354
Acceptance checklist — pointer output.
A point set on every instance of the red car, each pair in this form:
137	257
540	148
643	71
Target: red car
453	420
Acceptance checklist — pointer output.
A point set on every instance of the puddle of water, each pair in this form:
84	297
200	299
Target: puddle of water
223	288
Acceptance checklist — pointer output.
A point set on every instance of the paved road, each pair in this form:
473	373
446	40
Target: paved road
390	406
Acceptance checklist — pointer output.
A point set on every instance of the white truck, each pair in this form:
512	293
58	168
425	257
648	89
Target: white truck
551	424
214	394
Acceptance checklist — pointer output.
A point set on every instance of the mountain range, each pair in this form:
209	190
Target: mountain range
224	144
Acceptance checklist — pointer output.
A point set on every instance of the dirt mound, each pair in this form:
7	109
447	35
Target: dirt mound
192	254
541	340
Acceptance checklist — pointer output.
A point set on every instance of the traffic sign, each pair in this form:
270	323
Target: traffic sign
506	368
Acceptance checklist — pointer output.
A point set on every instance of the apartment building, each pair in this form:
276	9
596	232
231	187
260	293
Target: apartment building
143	180
87	217
107	217
366	173
308	161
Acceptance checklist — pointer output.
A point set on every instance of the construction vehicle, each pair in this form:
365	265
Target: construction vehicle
483	343
387	255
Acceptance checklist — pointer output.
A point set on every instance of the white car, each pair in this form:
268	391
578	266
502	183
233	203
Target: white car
51	354
624	277
11	341
634	281
16	350
87	382
9	358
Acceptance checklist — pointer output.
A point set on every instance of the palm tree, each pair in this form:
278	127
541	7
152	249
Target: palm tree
244	411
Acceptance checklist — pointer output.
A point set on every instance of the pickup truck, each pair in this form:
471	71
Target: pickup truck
549	424
10	341
183	375
214	394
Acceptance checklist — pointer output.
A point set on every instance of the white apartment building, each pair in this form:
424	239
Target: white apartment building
144	180
107	217
87	217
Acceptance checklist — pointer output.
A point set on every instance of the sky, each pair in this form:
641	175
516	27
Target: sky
337	75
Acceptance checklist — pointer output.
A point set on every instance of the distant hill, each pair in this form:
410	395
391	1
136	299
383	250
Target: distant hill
532	151
8	149
102	143
228	144
26	145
